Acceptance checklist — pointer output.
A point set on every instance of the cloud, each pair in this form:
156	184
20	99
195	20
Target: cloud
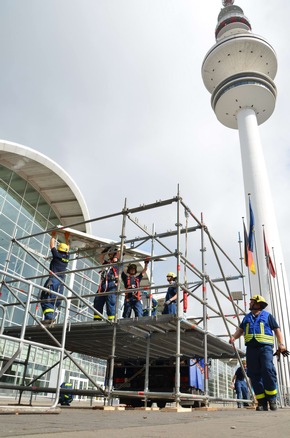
112	91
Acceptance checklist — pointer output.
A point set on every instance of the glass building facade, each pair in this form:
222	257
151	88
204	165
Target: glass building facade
24	212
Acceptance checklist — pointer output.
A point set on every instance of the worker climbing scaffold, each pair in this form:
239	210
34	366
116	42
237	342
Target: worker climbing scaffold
58	266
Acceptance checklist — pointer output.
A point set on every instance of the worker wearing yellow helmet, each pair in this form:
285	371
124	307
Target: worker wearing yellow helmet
55	283
171	295
258	327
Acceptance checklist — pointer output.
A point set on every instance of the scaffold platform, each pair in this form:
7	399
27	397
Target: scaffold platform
95	338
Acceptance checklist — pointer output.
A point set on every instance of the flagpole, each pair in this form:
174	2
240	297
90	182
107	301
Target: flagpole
258	266
270	285
280	313
285	295
242	271
287	312
274	312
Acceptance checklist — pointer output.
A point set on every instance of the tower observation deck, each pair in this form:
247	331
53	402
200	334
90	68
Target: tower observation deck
239	69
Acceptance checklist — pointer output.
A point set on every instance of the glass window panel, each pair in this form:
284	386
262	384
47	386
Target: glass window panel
25	223
5	174
43	208
13	198
18	184
7	228
10	211
36	228
31	197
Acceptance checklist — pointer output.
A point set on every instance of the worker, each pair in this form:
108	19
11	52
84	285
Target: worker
133	296
171	295
58	266
154	305
65	399
240	385
258	327
108	283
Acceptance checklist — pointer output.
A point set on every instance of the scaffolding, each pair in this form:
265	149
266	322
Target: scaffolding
203	276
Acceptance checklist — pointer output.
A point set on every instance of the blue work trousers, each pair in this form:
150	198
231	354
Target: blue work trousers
241	390
262	372
110	301
52	303
169	309
132	304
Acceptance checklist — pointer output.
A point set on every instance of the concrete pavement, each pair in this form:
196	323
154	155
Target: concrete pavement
89	423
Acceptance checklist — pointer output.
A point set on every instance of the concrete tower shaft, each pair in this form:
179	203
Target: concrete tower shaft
239	70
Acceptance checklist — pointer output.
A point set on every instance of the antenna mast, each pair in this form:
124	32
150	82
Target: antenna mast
228	2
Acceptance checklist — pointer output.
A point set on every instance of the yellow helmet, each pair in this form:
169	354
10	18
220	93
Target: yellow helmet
171	274
261	300
63	247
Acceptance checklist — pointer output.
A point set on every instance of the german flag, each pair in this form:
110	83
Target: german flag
248	255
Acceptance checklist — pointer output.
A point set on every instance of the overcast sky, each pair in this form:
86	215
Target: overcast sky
112	91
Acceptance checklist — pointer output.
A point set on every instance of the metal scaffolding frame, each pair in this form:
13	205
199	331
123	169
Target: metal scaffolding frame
169	335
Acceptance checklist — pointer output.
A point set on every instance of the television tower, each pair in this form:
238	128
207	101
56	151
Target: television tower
239	71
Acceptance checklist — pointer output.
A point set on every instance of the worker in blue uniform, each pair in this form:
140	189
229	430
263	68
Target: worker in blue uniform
133	294
171	295
240	384
154	305
65	399
108	283
58	266
258	327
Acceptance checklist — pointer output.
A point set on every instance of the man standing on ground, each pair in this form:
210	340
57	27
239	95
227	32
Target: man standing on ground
258	327
240	384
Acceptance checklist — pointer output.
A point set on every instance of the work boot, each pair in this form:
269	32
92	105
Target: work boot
273	404
262	406
48	321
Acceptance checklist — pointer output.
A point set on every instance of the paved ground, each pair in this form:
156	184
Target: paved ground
88	423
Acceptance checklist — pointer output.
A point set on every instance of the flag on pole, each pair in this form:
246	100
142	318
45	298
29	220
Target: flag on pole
252	228
269	262
248	255
251	239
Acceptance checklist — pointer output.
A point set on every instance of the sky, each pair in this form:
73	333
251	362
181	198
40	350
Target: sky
112	91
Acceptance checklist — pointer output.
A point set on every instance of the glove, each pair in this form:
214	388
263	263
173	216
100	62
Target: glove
284	353
167	302
53	234
66	235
